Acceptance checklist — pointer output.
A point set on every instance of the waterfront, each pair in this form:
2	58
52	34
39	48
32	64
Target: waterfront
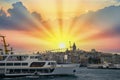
83	74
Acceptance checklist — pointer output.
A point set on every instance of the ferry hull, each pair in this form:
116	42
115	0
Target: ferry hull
60	70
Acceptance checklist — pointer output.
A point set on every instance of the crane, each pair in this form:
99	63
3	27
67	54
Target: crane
4	44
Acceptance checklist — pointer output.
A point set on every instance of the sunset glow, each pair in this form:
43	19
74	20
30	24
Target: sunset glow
62	45
51	24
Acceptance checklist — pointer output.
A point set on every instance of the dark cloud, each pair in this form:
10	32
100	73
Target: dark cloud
109	15
4	20
37	16
20	17
18	11
118	0
107	18
117	29
9	1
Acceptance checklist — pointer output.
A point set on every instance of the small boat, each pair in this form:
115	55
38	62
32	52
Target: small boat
17	65
104	66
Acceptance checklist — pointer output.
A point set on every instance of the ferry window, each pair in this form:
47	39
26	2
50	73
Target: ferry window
37	57
44	70
32	70
51	70
2	64
31	57
24	57
24	70
53	63
37	64
49	63
17	70
17	64
34	57
9	64
12	58
2	58
11	70
24	64
39	70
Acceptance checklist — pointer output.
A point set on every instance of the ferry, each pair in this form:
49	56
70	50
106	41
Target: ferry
19	65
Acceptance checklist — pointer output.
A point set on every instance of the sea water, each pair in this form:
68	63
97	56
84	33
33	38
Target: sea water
82	74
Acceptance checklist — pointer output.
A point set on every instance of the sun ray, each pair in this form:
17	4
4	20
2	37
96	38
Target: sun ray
76	11
60	16
61	22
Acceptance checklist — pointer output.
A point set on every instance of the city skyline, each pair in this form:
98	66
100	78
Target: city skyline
50	24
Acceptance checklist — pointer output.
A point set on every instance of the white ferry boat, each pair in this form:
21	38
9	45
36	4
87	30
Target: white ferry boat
15	65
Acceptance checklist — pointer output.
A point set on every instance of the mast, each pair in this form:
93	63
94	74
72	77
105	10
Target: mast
4	44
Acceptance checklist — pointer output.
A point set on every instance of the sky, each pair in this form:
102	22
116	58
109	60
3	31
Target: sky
39	25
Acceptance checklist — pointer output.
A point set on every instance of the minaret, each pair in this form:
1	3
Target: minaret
74	47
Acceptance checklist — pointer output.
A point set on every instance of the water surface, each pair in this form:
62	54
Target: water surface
83	74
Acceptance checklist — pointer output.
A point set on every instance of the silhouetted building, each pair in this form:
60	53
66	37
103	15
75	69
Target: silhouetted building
74	47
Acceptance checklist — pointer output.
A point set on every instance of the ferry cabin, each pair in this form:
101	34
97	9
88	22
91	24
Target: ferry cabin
19	64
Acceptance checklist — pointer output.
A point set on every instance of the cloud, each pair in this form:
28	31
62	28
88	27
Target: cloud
37	16
20	17
118	0
107	19
109	16
117	29
9	0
